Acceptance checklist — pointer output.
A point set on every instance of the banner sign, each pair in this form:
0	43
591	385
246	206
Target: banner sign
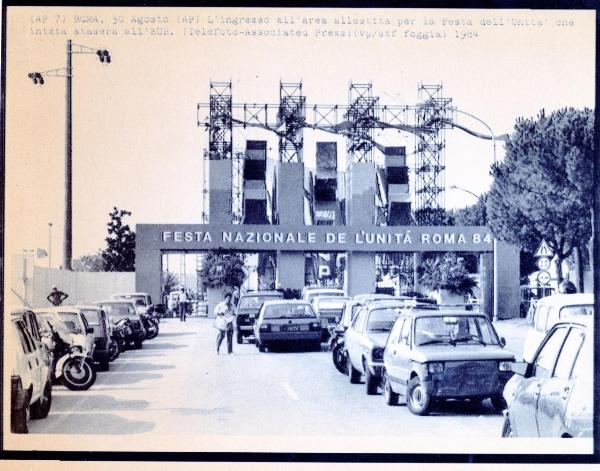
315	238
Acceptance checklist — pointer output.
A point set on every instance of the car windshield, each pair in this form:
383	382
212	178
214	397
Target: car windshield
255	302
137	299
579	310
382	320
453	330
117	311
92	316
71	321
282	311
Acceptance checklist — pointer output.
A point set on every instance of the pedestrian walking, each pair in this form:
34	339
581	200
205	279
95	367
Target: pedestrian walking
56	297
224	319
182	304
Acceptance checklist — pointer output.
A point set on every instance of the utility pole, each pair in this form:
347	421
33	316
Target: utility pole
68	239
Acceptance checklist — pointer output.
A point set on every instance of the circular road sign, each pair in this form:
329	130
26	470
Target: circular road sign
543	263
543	277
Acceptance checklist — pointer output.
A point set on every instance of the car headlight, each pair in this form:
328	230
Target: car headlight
437	367
377	354
504	365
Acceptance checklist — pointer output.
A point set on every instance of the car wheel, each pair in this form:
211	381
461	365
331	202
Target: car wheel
238	337
498	402
18	420
40	408
371	382
340	359
138	344
507	431
391	398
103	365
418	397
261	347
353	374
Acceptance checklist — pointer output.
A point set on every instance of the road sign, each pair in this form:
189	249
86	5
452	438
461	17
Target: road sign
543	263
543	277
543	250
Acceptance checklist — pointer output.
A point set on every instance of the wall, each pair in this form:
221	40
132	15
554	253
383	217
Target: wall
80	286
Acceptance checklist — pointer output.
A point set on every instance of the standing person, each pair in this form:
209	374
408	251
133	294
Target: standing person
56	297
182	303
224	322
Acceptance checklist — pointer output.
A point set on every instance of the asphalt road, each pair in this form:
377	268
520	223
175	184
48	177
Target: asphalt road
178	385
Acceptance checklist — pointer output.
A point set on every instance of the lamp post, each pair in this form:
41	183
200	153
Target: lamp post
486	126
67	73
49	245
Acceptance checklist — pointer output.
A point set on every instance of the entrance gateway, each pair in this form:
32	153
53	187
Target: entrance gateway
287	200
360	244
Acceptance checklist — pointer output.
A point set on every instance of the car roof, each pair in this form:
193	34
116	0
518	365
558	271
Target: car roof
584	321
87	306
400	302
262	293
286	301
61	308
130	294
319	289
113	301
568	299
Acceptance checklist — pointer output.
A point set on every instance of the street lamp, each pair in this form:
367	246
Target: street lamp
492	135
38	79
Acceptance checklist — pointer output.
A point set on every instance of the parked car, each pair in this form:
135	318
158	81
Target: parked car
117	310
141	301
78	330
98	320
354	304
550	310
329	308
432	354
247	310
285	322
365	340
309	293
552	396
30	380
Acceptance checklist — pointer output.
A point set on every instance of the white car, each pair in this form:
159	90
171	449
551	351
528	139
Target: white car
549	311
30	382
311	292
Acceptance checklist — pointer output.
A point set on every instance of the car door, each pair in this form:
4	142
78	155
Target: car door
351	338
391	351
523	407
404	354
33	360
555	391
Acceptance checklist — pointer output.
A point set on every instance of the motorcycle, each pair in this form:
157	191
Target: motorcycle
338	349
72	364
118	334
150	325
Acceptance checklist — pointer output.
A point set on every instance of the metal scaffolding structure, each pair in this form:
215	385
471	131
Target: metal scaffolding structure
363	114
357	120
292	117
237	187
433	116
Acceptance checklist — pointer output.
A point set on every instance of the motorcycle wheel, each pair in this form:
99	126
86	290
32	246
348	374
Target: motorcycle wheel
113	350
78	375
152	331
339	358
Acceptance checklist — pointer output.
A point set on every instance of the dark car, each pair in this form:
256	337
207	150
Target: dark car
117	310
247	311
553	395
98	320
439	355
286	322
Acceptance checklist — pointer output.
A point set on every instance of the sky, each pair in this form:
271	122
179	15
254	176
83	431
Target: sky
136	143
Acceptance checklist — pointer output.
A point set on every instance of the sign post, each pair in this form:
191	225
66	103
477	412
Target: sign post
543	254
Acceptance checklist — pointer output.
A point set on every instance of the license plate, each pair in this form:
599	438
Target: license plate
290	328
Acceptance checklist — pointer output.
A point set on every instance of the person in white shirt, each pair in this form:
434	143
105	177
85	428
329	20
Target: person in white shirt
225	316
182	304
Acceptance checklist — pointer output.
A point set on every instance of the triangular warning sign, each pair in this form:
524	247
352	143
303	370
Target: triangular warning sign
543	250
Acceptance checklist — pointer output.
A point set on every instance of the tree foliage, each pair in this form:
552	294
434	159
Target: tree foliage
223	269
543	188
446	271
119	254
93	262
474	215
169	282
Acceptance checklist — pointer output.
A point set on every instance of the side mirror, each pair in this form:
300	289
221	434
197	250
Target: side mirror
519	368
89	330
503	341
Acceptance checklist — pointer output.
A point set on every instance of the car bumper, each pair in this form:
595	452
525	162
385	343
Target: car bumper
450	385
265	337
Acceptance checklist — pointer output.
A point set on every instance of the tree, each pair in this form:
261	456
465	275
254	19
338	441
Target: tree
446	271
92	262
223	269
169	282
544	187
119	254
474	215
